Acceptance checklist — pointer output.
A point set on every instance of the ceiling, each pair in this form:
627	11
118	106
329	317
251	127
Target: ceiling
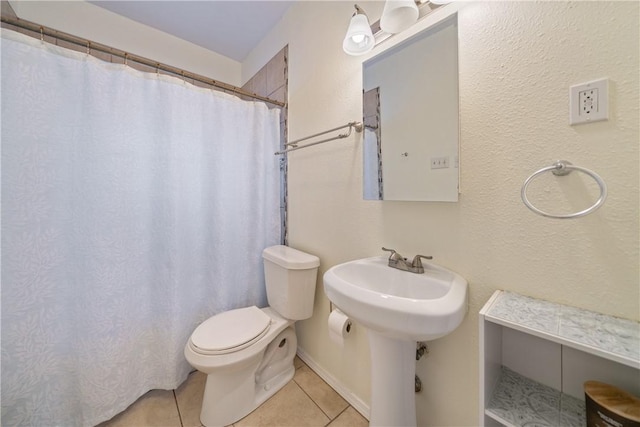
231	28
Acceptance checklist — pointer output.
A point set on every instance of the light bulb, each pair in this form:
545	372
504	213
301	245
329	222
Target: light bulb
359	38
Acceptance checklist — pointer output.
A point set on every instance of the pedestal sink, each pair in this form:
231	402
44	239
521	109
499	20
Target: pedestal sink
398	308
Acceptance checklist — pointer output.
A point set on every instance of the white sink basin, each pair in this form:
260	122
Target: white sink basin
397	308
396	303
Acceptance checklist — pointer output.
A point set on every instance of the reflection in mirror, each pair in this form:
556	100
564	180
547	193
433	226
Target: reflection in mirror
411	139
372	149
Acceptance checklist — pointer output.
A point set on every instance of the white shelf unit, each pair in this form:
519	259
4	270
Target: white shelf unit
536	355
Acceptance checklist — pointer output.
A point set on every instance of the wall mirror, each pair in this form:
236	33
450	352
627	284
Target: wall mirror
411	138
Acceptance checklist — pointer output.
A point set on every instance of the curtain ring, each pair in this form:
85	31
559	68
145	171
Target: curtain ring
41	33
157	69
88	48
125	58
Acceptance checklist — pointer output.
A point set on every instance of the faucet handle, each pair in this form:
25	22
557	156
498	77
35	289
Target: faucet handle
394	255
417	262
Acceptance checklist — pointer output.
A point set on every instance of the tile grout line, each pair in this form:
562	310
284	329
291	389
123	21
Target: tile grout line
175	399
338	416
313	400
307	394
316	403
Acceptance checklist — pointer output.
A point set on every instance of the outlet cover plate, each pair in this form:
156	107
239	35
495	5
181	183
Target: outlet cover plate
589	102
439	162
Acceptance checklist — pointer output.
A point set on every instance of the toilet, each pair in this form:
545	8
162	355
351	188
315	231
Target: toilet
248	353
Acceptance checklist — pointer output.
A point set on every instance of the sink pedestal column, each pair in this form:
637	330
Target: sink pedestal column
393	370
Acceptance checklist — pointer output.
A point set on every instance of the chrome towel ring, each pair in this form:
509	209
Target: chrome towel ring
562	168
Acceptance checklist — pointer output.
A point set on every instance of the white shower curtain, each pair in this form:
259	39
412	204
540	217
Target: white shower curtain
133	207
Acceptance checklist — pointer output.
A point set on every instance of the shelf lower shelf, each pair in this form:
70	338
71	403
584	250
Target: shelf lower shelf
519	401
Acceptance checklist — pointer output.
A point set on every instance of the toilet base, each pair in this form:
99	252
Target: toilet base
273	386
234	406
231	394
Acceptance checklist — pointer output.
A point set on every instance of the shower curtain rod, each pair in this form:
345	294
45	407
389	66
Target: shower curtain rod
94	46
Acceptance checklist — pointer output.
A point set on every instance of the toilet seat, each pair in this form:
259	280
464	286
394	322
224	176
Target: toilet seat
230	331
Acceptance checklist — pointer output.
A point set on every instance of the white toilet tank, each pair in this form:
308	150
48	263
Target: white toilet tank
290	276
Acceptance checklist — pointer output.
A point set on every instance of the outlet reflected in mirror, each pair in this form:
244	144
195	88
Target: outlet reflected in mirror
411	138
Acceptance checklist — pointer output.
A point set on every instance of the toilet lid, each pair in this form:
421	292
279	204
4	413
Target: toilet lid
230	331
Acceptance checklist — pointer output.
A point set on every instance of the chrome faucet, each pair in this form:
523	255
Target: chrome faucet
398	261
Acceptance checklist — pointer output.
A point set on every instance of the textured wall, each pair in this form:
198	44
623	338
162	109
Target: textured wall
517	61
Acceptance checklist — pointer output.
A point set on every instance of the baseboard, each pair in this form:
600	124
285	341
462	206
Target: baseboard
353	400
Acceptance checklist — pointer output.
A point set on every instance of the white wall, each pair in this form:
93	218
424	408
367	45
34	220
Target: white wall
517	61
83	19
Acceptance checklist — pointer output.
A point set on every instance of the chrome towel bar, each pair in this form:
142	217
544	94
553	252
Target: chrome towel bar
562	168
294	144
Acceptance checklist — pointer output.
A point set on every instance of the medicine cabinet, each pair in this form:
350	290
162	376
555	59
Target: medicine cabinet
411	138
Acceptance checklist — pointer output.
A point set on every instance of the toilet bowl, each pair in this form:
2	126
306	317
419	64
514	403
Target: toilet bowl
248	353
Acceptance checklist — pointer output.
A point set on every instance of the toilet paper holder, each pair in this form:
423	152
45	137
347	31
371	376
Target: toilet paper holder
331	307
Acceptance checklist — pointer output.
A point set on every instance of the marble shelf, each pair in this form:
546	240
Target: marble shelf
609	337
519	401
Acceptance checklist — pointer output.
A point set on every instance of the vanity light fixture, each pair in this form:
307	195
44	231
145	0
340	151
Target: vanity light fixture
359	39
398	15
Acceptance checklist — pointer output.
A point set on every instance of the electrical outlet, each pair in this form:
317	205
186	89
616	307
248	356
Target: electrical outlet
589	102
439	162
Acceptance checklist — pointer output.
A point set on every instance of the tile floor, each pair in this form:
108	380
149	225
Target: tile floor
305	401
